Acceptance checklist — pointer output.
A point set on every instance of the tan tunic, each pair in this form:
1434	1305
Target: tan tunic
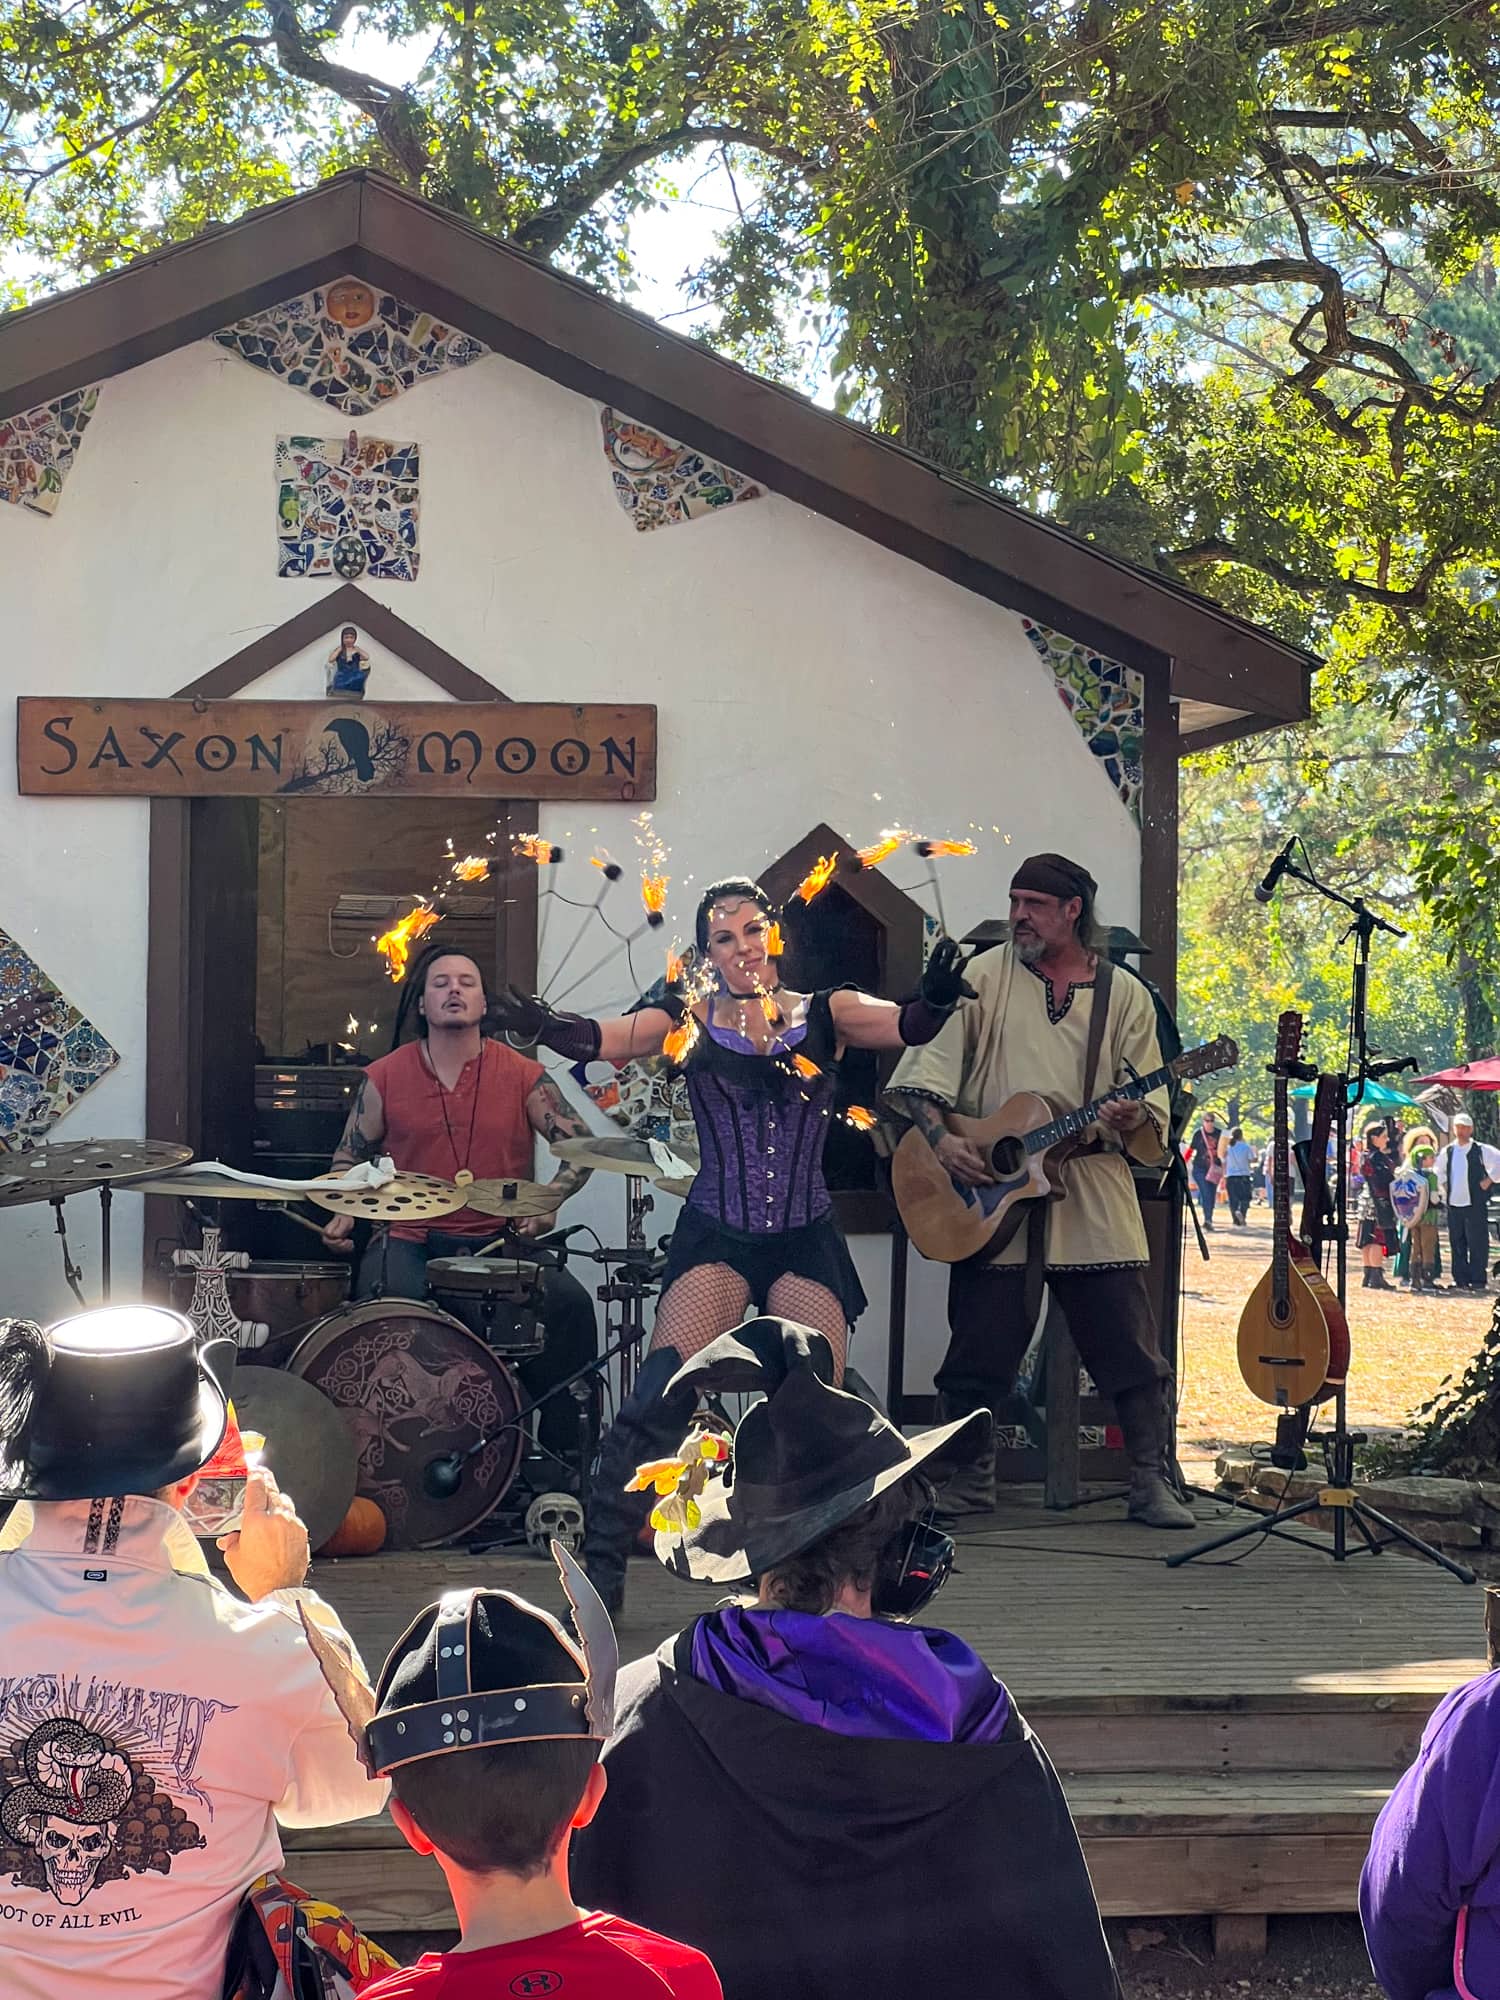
1005	1042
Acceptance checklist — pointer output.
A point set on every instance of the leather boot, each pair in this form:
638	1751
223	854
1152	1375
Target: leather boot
969	1488
1143	1419
649	1425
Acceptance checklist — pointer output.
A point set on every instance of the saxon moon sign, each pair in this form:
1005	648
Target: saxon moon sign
220	749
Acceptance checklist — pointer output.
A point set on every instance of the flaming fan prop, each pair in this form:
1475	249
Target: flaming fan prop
892	838
395	944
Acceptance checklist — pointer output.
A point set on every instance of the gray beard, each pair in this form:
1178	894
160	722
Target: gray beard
1029	950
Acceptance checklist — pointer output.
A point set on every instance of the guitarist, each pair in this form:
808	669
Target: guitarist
1033	1027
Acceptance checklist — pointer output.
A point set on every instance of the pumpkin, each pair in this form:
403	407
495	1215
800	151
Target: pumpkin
360	1533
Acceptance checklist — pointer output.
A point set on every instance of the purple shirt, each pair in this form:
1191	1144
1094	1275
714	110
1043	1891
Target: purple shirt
1436	1846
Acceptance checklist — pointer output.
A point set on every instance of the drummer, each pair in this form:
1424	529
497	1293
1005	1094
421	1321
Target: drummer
455	1104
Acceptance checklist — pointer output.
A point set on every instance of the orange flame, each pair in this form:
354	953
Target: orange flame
805	1066
774	943
395	945
532	847
769	1008
472	868
654	893
818	877
677	1041
940	847
674	968
859	1118
890	839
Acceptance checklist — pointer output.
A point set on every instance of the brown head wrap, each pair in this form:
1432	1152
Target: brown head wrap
1054	875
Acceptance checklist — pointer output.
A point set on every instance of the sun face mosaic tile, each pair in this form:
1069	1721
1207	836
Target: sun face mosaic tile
37	449
1108	702
347	509
49	1054
349	344
658	481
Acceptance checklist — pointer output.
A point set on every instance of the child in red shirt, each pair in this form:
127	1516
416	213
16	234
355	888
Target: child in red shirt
489	1722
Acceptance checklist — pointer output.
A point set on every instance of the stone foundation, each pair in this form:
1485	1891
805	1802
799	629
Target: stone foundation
1459	1516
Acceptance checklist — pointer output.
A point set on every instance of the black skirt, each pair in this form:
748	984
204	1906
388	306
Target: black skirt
816	1252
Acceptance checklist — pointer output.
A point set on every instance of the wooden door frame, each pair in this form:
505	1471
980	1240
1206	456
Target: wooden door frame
175	1029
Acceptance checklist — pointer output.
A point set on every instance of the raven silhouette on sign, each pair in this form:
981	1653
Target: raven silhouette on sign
354	740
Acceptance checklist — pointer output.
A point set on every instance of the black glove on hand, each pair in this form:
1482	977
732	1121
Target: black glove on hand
943	982
530	1018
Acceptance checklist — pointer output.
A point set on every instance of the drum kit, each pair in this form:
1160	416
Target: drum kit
415	1404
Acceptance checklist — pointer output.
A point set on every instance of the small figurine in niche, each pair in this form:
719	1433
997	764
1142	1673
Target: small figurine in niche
349	667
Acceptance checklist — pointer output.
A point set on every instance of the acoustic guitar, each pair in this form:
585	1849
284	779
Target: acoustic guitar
1026	1142
1293	1338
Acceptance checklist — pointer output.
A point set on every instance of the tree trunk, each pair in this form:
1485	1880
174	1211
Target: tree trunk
1479	1040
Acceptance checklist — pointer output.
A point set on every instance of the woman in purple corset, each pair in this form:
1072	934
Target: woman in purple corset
758	1225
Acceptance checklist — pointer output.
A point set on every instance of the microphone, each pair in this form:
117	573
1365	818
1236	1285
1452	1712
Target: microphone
1266	889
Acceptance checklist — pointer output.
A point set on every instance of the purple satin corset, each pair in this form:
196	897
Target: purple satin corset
762	1128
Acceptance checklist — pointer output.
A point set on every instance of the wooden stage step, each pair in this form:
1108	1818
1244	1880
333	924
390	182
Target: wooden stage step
1225	1732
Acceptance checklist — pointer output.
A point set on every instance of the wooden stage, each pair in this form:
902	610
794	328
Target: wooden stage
1226	1732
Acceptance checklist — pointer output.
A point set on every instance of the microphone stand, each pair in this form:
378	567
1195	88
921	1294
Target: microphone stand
1338	1497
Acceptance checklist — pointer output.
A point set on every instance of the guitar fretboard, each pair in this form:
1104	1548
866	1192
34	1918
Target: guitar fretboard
1077	1121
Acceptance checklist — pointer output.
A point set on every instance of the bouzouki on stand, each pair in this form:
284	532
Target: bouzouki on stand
1026	1143
1293	1337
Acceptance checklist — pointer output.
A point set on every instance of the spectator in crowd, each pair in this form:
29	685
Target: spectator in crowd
1239	1171
1421	1261
851	1804
1466	1171
160	1725
1206	1164
1430	1892
490	1721
1376	1217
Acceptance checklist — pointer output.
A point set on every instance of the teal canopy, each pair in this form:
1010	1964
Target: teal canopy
1376	1093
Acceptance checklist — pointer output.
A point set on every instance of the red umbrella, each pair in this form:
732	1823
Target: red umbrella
1482	1075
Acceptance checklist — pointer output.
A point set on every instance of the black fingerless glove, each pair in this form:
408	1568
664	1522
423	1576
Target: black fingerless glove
525	1015
943	986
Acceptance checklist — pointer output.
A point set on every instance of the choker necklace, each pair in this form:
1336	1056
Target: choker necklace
755	993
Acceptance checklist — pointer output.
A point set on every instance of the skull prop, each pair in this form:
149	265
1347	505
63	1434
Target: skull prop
554	1517
72	1856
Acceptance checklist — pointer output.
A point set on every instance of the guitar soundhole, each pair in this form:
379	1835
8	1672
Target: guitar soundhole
1281	1315
1007	1156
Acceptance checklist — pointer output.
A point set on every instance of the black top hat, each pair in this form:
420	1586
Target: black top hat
804	1460
484	1667
119	1400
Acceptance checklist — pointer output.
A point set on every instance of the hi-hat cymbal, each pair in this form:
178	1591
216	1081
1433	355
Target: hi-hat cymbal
407	1198
15	1193
87	1163
510	1198
617	1155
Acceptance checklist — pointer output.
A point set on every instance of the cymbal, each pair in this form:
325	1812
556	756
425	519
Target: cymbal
309	1444
87	1163
408	1198
15	1192
678	1184
209	1187
510	1198
617	1155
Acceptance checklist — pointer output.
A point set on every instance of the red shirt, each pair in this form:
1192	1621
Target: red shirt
480	1124
601	1958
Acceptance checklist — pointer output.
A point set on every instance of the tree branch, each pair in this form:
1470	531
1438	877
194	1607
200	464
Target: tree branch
1216	549
395	113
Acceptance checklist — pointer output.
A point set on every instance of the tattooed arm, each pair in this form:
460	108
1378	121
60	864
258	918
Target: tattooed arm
553	1117
364	1136
961	1157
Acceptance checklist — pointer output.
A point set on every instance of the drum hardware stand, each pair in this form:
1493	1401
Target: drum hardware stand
1338	1497
72	1272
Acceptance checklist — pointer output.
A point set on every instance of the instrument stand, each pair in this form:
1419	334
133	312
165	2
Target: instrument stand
1338	1497
72	1273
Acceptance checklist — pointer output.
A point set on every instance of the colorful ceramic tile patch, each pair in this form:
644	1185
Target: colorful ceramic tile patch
49	1054
349	345
347	508
38	447
658	481
1106	700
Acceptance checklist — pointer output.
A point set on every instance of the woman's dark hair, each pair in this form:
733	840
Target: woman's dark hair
849	1553
735	889
343	635
1376	1125
1236	1135
505	1808
415	984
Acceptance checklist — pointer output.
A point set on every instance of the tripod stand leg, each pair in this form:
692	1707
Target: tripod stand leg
1263	1524
1404	1535
1370	1542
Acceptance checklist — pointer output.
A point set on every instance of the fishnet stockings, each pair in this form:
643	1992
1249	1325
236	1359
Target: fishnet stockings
711	1299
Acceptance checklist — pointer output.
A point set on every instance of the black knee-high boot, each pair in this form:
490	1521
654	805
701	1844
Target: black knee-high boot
650	1425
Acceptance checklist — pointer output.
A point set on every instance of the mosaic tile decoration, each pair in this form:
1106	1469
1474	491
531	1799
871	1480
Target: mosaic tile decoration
347	508
37	449
658	481
1106	700
49	1054
349	345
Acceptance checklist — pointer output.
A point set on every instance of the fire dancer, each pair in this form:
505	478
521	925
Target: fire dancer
758	1224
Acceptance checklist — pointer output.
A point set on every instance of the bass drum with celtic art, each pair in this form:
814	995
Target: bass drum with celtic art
413	1384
